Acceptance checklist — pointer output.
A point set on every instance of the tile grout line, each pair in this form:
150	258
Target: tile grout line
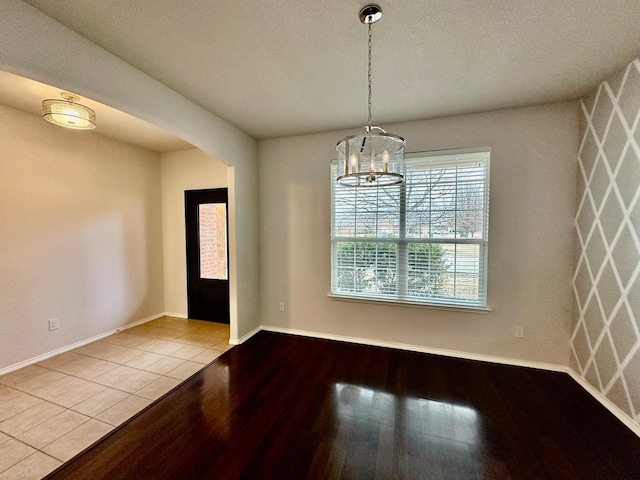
208	347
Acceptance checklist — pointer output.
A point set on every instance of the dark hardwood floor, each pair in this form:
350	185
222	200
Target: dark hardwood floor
287	407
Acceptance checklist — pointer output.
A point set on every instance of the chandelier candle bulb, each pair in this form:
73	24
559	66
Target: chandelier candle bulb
354	163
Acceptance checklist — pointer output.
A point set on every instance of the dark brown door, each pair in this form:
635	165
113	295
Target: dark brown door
207	254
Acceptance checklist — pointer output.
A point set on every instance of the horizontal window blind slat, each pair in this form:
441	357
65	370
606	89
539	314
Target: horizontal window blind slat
435	252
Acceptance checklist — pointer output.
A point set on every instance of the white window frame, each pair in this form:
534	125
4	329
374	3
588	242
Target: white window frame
402	240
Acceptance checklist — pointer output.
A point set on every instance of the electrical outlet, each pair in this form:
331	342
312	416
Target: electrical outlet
282	306
54	323
519	331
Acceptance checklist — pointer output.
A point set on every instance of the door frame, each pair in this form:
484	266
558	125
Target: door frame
192	199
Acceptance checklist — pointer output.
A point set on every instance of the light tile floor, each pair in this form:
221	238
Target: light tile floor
51	411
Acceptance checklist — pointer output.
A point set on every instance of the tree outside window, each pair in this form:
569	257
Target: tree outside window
424	241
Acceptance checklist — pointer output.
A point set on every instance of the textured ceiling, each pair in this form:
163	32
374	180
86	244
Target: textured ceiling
291	67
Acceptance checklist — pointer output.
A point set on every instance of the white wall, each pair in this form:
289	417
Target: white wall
533	168
37	47
80	235
183	170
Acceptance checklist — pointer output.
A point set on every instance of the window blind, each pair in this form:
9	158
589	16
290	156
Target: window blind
424	241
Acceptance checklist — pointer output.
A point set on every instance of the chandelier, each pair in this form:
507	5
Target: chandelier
372	157
68	113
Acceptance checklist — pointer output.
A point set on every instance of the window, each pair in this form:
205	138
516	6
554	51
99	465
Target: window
424	241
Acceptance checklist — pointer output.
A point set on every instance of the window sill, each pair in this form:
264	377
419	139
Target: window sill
404	303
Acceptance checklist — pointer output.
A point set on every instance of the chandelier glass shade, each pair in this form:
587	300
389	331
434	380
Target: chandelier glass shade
373	157
67	113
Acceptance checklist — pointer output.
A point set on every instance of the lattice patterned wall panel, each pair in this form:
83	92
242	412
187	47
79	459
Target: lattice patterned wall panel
606	336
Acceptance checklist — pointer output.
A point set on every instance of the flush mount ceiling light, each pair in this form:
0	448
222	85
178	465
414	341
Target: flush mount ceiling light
68	113
373	157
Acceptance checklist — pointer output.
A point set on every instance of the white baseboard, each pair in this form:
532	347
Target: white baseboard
53	353
177	315
127	326
417	348
244	338
608	404
81	343
621	415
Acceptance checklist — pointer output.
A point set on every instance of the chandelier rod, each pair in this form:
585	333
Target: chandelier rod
369	21
373	157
